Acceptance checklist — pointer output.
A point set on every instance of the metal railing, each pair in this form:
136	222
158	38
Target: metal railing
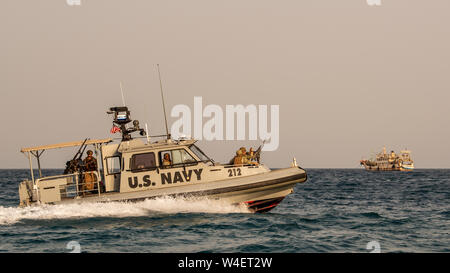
75	185
85	184
226	166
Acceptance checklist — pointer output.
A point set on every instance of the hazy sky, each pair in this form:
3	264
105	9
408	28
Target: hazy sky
349	78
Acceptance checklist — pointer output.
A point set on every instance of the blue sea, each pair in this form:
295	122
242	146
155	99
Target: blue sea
336	210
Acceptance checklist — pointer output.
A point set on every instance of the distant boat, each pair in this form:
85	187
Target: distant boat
389	161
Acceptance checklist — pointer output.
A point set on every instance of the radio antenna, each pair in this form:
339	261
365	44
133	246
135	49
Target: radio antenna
121	91
146	133
164	106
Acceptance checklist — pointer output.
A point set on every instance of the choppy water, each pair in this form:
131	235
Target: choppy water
337	210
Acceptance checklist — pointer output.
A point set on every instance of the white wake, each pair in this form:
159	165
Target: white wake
11	215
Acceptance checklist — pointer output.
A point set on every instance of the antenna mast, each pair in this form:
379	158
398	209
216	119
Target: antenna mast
121	91
164	106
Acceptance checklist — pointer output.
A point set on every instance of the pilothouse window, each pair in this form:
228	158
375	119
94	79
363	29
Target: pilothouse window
113	164
181	157
199	153
176	157
143	161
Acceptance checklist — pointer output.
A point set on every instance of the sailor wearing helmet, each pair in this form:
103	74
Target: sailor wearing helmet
90	165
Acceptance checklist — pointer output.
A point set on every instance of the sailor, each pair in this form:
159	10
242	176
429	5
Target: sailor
245	155
90	165
251	157
251	152
166	160
238	159
241	157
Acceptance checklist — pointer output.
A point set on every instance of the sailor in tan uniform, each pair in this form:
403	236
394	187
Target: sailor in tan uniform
90	165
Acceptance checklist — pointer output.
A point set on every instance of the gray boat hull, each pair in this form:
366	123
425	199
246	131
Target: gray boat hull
260	192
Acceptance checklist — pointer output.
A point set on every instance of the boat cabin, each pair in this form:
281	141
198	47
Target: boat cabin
129	166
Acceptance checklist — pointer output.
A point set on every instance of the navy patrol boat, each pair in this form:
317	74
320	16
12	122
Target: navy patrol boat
134	169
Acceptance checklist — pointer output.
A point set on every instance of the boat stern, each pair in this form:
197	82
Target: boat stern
26	193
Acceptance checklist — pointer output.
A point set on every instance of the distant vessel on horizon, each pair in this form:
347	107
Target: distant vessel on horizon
390	162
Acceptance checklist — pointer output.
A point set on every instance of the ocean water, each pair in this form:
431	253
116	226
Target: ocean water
336	210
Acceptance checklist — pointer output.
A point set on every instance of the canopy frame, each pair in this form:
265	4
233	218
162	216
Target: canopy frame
39	150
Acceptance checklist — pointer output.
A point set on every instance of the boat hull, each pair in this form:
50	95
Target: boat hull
390	168
259	192
378	168
407	168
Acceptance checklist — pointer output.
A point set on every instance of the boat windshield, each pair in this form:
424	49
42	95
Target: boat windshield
196	150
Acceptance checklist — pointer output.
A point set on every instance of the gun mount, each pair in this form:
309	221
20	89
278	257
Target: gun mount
76	164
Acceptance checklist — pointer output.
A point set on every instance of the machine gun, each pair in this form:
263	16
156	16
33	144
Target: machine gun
76	164
257	153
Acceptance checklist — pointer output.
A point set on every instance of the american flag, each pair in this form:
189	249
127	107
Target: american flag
115	129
